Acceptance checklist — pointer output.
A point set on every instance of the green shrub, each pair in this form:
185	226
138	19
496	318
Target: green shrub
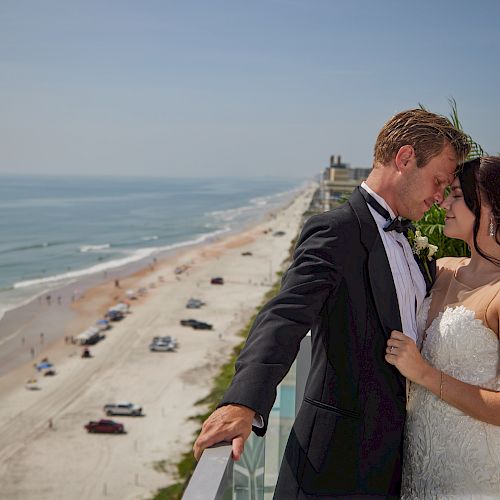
432	223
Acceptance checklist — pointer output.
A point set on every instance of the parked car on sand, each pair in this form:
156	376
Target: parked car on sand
105	427
32	384
194	303
197	325
164	340
218	280
201	325
163	344
161	347
188	322
103	325
114	315
90	336
123	307
123	408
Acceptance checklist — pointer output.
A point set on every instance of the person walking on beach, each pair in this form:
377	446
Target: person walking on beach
352	281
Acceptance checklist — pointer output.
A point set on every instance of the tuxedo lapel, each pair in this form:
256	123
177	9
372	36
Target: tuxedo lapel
383	289
379	271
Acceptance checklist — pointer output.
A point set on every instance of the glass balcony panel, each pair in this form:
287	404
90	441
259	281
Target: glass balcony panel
254	476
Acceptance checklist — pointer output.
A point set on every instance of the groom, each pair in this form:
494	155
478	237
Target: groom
352	281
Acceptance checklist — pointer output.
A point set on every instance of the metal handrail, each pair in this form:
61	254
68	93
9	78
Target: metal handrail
213	473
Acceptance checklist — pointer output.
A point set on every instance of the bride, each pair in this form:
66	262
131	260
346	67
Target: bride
452	438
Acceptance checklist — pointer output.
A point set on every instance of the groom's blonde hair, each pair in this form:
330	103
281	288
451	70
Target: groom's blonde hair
426	132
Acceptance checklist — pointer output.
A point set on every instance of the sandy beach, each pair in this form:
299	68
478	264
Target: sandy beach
45	453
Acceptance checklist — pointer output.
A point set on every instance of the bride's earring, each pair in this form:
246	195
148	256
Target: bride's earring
491	228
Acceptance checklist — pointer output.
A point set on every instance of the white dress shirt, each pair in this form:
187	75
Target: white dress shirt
408	280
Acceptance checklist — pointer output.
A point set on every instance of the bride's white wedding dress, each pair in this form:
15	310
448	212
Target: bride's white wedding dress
447	453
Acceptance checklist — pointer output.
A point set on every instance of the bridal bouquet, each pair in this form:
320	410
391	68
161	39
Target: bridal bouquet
422	248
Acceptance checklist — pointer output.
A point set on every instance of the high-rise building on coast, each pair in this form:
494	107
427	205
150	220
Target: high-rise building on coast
339	180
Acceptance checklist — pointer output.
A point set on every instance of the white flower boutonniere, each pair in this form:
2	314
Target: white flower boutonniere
422	249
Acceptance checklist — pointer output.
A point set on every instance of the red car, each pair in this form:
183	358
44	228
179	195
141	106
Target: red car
218	280
105	426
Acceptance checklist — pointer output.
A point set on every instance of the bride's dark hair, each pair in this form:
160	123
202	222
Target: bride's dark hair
480	180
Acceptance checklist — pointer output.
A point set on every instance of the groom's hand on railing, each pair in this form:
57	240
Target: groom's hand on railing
231	423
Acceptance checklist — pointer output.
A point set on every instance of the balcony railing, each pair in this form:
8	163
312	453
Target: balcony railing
253	477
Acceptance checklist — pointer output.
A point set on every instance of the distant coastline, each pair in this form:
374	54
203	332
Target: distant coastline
34	314
58	229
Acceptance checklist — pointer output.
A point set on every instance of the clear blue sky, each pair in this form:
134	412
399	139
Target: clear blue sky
233	87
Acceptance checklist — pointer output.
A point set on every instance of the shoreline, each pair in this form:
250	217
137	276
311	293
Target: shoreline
21	342
45	453
139	257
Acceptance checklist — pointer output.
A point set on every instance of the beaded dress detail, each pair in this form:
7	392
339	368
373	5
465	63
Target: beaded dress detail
448	454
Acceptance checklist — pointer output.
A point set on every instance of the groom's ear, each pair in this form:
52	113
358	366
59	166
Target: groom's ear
405	157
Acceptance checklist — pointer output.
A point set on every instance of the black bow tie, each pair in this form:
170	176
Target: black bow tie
397	224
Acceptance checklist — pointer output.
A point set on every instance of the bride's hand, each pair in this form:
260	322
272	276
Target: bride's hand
402	352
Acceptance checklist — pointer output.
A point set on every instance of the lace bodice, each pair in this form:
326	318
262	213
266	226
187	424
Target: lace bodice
461	346
447	453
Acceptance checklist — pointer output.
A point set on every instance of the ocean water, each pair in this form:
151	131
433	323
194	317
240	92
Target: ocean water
55	230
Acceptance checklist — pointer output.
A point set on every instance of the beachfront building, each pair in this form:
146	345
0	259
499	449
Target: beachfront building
339	180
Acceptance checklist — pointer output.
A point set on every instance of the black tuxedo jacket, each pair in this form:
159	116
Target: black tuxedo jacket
347	436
